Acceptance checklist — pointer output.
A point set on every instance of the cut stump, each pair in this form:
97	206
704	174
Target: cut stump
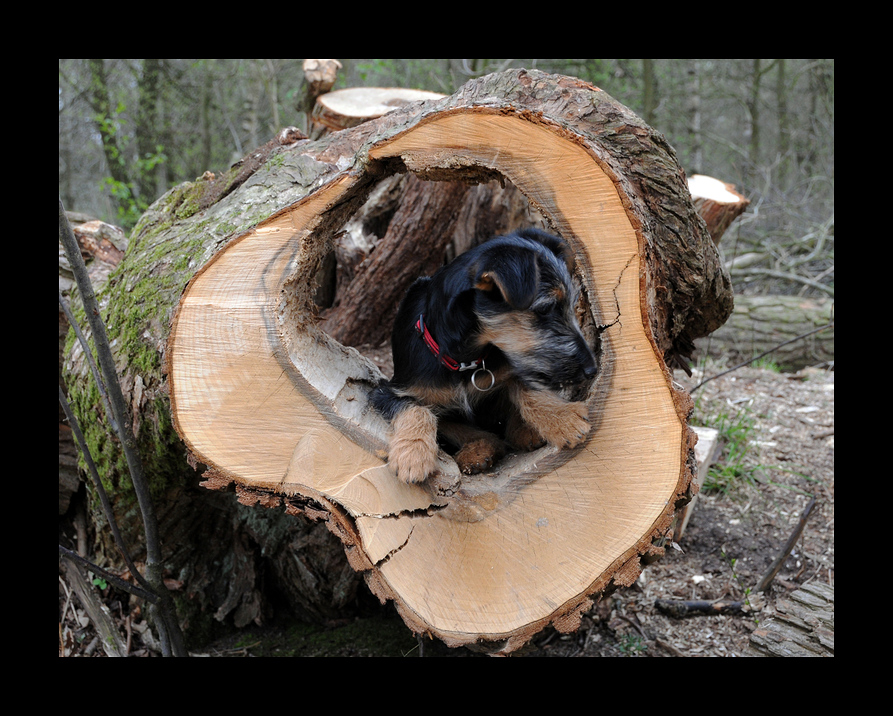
271	402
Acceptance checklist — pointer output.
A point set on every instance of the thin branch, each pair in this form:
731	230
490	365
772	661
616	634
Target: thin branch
679	608
100	490
763	355
786	550
169	628
787	276
149	596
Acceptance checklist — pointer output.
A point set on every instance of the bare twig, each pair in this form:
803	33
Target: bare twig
786	550
149	596
100	490
787	276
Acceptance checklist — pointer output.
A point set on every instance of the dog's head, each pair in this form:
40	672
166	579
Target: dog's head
525	300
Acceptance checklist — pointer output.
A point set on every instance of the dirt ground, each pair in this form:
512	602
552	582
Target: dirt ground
739	527
778	455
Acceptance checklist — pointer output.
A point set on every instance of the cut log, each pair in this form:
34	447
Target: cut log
268	400
803	625
717	202
760	323
349	107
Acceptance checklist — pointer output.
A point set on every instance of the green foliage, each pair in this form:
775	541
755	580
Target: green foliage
130	207
766	363
746	590
127	175
631	644
734	468
100	583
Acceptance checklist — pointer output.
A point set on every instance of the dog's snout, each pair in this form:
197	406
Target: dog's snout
586	366
589	370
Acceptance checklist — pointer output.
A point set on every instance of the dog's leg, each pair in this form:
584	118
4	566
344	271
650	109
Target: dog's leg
478	451
559	421
521	434
413	449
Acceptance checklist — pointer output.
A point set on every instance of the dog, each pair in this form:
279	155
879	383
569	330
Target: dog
485	351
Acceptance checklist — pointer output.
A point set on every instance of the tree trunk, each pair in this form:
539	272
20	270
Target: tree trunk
271	403
277	409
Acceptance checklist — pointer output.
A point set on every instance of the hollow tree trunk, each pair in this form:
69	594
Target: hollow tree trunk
271	403
375	262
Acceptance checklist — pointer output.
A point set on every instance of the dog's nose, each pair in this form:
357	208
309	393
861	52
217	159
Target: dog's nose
586	368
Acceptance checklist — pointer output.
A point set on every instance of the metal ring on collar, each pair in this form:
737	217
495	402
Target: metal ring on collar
483	369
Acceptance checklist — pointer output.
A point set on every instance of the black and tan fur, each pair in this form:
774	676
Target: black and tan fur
503	349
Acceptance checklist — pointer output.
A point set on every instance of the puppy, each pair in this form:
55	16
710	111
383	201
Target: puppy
484	351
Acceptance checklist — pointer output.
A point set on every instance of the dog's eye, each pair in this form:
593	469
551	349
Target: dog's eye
544	309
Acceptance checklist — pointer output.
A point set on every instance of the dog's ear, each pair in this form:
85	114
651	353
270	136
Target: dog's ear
555	244
512	276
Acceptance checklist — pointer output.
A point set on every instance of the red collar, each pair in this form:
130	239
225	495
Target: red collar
450	363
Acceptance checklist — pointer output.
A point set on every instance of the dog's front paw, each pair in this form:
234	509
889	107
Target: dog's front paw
569	426
560	422
413	450
479	455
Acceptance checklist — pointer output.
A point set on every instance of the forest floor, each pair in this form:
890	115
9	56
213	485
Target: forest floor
777	454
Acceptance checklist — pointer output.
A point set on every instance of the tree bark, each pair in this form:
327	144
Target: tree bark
277	409
803	625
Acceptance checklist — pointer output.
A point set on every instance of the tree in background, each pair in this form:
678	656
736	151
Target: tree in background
132	129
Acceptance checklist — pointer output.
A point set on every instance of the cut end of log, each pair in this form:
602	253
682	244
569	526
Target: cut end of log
350	107
717	202
262	393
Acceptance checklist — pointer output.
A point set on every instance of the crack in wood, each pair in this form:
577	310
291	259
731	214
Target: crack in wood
605	326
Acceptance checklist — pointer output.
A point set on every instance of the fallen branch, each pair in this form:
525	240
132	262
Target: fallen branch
680	608
786	550
787	276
